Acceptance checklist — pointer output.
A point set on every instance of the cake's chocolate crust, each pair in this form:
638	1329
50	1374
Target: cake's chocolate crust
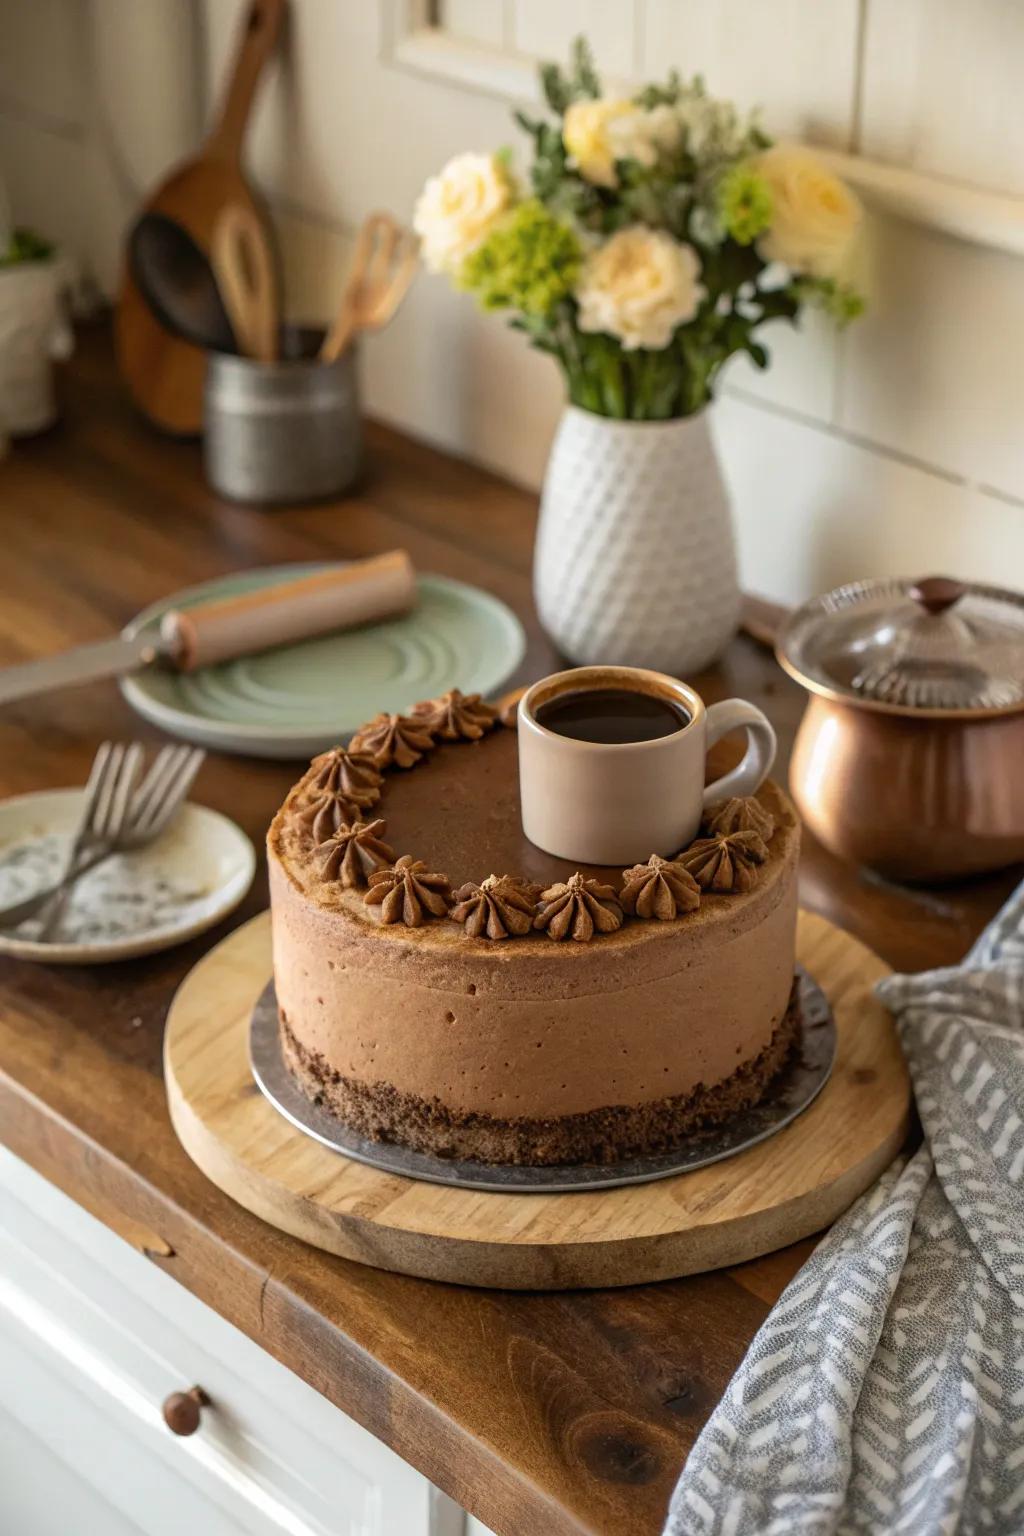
380	1112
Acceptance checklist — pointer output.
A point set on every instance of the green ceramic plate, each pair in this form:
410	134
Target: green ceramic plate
301	699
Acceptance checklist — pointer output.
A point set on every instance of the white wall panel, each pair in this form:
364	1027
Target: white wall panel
40	60
794	58
87	217
813	510
546	28
942	88
803	372
144	64
477	21
936	367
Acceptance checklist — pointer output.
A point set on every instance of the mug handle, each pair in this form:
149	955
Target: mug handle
748	776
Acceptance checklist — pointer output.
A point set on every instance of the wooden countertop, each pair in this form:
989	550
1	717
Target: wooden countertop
544	1414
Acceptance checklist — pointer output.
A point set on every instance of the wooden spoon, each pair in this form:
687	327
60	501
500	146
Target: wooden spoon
243	265
382	269
164	366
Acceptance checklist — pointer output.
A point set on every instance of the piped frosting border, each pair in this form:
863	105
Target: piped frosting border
341	833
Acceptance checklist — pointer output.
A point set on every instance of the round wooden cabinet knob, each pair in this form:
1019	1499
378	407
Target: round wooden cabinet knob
182	1410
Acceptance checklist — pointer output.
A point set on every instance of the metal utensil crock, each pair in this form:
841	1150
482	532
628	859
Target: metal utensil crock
910	756
286	431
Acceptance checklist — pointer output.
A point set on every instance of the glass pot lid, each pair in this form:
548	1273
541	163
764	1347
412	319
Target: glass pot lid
936	646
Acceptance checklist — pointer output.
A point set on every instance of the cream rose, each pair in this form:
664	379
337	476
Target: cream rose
639	285
644	135
585	135
458	208
814	215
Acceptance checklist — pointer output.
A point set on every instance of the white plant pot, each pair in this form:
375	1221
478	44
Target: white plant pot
33	331
635	563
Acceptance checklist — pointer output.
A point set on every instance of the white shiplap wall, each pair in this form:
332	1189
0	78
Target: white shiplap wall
896	448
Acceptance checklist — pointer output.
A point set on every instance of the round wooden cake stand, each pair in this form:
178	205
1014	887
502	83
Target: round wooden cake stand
794	1184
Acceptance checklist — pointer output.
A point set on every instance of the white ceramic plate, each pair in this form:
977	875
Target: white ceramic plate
132	904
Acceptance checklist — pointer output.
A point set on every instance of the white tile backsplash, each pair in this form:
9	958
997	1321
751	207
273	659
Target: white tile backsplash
40	62
814	509
935	369
547	29
796	59
802	375
942	88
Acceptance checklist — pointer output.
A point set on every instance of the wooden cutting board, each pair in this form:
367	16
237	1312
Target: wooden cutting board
163	371
772	1194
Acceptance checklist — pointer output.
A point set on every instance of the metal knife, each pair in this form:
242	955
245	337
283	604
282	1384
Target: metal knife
337	597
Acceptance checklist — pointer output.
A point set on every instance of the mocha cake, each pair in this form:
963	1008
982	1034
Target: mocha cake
444	984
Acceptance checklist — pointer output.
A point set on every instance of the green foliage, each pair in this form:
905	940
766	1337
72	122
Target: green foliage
664	95
584	75
580	83
530	262
25	245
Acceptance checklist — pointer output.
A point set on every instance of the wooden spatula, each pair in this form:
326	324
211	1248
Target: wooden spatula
383	266
243	265
164	370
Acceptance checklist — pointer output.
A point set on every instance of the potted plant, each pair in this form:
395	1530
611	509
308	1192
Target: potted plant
658	234
32	330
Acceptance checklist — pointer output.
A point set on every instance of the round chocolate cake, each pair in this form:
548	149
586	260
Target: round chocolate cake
445	984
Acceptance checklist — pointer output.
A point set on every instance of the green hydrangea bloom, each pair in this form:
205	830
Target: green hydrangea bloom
840	301
744	203
529	262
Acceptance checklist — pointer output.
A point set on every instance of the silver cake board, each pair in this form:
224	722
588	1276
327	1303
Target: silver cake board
795	1087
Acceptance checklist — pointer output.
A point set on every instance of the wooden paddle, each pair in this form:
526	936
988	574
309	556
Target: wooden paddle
243	265
164	369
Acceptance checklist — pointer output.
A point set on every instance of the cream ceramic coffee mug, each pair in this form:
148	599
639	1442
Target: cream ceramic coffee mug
617	803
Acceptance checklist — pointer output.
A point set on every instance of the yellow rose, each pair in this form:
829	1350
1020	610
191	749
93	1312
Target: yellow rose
639	286
814	215
458	208
585	136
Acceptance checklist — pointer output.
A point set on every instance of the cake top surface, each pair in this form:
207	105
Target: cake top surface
416	825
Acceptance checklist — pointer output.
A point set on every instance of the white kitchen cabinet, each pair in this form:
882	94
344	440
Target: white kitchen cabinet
93	1338
42	1496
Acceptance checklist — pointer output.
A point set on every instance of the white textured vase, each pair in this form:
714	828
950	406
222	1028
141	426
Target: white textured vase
635	563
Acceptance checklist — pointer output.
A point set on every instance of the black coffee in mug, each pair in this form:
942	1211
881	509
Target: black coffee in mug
611	716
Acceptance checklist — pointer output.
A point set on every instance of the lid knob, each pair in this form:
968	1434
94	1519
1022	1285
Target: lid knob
937	593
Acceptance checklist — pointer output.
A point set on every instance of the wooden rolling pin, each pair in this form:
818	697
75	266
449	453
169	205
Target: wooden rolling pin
337	598
314	605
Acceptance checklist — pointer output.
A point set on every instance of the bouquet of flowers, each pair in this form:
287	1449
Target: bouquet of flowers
658	234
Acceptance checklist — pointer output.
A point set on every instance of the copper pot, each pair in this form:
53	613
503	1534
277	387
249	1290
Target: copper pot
910	756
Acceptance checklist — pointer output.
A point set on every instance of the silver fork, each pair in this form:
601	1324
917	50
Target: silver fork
112	778
120	820
108	804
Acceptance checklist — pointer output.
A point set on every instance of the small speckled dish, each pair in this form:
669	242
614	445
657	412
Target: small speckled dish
131	904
